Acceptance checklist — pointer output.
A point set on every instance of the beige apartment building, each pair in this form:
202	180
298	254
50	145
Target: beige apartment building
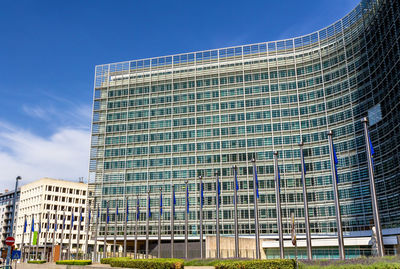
53	198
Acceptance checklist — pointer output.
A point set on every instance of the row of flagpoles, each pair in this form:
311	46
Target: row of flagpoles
335	181
334	163
47	227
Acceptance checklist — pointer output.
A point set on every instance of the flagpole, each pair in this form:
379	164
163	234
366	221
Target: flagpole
78	238
22	241
37	240
126	224
336	195
217	237
30	235
293	235
147	223
172	219
201	215
187	221
54	235
256	195
305	199
46	234
235	213
115	229
159	225
278	205
89	217
136	224
71	227
106	230
375	209
96	233
62	237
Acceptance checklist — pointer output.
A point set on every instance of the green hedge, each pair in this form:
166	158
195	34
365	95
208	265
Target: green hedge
37	262
380	265
74	262
106	260
256	264
387	262
145	263
205	262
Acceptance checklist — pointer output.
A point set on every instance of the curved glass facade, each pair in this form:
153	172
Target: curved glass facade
160	121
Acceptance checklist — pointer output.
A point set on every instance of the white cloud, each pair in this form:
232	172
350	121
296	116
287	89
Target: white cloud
63	154
36	112
74	115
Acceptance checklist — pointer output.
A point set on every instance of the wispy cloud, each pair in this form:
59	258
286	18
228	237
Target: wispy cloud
36	112
60	114
62	155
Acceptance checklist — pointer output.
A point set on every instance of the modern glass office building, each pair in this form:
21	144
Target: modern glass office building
164	120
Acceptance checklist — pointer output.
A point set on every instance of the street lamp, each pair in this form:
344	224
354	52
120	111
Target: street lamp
12	219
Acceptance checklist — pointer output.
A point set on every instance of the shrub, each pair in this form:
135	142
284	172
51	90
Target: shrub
146	263
106	260
380	265
37	262
387	262
205	262
255	264
74	262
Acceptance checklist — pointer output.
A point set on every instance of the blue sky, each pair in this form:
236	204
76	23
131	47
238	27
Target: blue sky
49	49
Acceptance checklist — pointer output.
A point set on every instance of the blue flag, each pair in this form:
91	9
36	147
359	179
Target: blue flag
90	215
127	210
201	195
40	228
55	224
98	212
25	224
219	191
108	215
174	202
335	163
279	179
63	221
255	174
187	199
81	217
33	224
161	203
236	182
48	221
236	179
371	148
149	208
117	210
72	219
137	209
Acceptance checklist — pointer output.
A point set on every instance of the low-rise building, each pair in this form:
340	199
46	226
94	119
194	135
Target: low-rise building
54	198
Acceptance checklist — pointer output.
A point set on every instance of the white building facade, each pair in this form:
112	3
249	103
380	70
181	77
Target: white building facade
53	198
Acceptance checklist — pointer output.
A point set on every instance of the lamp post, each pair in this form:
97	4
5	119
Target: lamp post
12	219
